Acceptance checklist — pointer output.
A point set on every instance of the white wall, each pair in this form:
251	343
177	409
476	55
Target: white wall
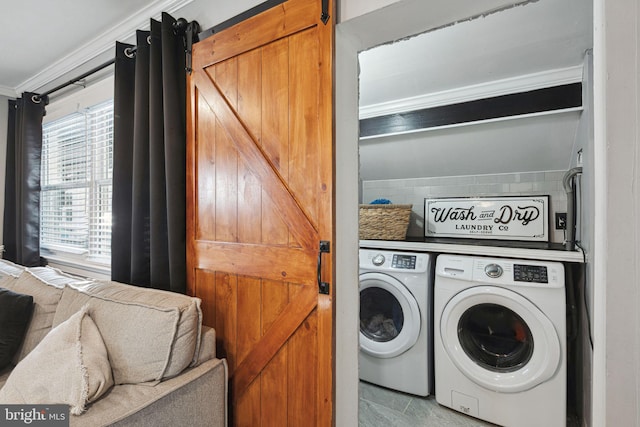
616	255
210	13
585	231
347	294
353	8
504	146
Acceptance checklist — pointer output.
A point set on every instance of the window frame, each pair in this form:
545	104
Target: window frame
78	260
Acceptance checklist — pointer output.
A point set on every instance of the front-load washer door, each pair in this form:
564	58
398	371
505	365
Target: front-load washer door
389	316
499	339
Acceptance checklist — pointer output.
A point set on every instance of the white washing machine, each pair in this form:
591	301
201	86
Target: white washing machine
396	291
500	339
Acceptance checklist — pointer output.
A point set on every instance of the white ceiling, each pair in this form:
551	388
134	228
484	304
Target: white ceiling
41	40
530	38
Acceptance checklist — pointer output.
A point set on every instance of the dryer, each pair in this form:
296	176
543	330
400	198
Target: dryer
500	343
396	291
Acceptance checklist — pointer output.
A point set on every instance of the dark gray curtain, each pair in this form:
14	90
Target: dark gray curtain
149	162
21	228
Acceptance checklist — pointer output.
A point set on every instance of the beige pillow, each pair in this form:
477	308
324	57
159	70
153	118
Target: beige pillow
45	300
70	366
107	297
138	337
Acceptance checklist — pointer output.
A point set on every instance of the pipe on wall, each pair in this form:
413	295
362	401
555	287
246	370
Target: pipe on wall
568	181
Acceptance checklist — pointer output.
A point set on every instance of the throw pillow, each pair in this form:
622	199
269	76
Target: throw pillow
15	314
70	366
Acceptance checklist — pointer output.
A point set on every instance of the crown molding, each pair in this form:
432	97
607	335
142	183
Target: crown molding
8	91
100	44
495	88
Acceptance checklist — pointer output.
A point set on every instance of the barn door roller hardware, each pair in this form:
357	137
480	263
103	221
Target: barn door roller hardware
266	5
190	37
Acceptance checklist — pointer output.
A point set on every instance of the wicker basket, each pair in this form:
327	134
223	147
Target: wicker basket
384	222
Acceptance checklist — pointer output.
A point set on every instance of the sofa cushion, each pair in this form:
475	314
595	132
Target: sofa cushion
70	366
195	398
45	298
172	330
15	314
4	374
9	272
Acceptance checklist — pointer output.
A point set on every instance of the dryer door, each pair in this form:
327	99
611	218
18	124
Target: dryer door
389	316
499	339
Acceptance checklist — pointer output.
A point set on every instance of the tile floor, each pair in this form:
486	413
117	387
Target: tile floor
381	407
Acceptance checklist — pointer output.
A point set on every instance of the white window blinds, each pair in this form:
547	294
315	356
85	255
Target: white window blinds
77	165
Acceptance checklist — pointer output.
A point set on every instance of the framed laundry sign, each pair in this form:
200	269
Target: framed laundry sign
503	218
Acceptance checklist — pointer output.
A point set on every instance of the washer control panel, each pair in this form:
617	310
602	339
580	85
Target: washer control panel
380	260
501	271
406	262
530	273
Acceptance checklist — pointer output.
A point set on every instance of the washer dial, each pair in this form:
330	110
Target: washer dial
493	270
378	260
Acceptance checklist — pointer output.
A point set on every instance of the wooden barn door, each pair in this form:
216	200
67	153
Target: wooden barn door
260	201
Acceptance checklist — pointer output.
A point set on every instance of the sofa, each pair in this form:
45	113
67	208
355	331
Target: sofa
115	354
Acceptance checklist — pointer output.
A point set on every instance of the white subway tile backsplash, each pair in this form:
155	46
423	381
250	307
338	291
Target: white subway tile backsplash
521	188
465	180
532	177
545	187
554	176
491	179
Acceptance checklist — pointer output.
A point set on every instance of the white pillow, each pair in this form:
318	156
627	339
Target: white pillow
55	277
69	366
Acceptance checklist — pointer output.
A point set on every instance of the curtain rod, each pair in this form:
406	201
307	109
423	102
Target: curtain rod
77	79
180	26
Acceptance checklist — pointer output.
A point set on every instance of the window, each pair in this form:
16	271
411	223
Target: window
75	205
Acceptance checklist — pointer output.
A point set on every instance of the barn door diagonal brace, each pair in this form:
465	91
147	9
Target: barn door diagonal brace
325	248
